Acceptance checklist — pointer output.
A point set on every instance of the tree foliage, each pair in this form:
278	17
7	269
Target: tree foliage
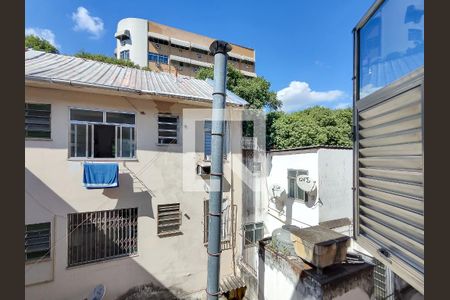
106	59
256	91
310	127
40	44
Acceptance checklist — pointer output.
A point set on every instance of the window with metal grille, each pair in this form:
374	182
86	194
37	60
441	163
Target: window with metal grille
207	140
169	219
37	241
167	129
102	235
294	191
225	233
37	120
253	232
102	134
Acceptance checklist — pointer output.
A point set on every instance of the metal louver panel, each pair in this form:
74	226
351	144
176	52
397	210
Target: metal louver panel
389	168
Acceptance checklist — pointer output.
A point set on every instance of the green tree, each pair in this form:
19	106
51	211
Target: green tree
256	91
37	43
106	59
311	127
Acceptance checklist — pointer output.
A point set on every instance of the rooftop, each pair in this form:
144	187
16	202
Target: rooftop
61	69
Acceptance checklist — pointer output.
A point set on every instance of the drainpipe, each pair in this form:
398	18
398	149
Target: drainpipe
219	49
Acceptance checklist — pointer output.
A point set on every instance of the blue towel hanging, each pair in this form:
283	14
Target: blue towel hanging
101	175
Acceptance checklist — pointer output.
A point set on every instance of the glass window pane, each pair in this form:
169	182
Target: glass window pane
86	115
391	46
127	142
121	118
291	187
78	140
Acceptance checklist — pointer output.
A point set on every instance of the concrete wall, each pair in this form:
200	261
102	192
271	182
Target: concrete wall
281	209
335	182
139	40
286	278
54	188
332	170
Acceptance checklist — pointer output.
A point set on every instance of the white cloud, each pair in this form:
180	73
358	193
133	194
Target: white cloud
298	95
85	22
46	34
343	105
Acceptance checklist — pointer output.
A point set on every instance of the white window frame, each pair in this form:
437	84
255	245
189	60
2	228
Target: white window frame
256	226
296	188
90	126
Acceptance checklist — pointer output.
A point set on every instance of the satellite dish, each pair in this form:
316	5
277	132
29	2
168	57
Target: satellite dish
306	183
98	293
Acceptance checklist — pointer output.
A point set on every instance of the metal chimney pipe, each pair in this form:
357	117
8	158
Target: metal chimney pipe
219	49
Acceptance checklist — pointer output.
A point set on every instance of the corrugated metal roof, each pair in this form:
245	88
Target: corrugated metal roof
64	69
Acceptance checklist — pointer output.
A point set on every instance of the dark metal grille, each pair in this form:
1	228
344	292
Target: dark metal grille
37	120
167	129
101	235
37	241
169	219
381	284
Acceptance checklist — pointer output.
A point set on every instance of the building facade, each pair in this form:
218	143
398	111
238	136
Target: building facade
151	228
167	49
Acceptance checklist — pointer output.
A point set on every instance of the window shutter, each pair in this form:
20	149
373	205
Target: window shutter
389	198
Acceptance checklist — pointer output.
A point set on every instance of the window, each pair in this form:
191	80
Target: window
294	191
199	52
158	41
37	241
225	234
391	44
167	129
125	54
169	219
37	120
207	140
158	58
253	232
101	235
100	134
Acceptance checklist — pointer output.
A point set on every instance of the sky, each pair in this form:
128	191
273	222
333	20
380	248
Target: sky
304	48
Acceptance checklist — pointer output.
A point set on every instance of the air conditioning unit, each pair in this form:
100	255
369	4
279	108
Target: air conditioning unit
203	168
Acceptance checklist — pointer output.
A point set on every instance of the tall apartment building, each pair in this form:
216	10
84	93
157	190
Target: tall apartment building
168	49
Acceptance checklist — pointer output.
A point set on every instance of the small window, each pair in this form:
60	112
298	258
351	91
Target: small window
120	118
158	58
169	219
101	235
125	54
225	234
167	129
37	241
37	120
294	191
253	233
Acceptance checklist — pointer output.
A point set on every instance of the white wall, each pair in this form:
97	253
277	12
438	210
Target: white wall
335	182
53	185
292	212
139	40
